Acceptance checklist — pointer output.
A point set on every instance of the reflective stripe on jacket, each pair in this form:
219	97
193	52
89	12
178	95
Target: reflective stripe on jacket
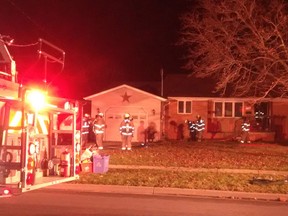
200	125
99	126
245	126
192	126
126	128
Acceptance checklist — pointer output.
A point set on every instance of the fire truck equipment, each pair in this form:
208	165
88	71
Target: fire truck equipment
65	164
30	123
32	148
5	192
44	164
30	175
30	179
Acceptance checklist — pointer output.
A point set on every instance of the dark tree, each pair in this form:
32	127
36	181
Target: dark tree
242	44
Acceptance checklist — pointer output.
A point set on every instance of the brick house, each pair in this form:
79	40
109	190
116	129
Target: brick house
223	116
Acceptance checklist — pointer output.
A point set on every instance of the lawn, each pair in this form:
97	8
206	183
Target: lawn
227	155
219	155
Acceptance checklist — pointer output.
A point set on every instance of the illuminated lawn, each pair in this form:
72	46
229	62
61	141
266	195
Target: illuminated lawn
197	155
205	155
191	180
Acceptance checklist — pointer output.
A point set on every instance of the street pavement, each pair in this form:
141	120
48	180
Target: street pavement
166	191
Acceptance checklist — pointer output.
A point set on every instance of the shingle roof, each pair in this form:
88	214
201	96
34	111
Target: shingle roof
183	85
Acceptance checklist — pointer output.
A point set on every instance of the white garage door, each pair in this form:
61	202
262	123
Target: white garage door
114	116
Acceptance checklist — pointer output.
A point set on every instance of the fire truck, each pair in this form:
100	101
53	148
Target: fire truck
32	152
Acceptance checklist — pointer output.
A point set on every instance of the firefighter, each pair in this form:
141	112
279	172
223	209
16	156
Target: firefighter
192	129
98	128
245	130
126	131
150	132
200	127
85	129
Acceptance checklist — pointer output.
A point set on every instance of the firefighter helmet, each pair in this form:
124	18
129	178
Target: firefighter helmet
126	115
101	114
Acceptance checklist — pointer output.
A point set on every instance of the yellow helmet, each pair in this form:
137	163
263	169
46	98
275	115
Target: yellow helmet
126	115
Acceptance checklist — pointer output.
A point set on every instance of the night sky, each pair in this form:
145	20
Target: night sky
104	41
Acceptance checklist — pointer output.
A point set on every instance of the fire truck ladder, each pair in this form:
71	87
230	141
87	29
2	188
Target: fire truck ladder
10	148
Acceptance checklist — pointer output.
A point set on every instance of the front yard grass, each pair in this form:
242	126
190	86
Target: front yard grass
226	155
190	180
219	155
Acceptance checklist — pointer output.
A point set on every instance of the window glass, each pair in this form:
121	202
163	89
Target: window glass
238	109
181	107
218	109
188	107
228	109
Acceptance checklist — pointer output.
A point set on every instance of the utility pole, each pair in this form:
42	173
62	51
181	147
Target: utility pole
162	84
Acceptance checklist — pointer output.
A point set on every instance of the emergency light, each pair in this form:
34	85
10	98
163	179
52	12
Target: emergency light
32	148
30	163
78	147
36	99
77	136
30	178
5	191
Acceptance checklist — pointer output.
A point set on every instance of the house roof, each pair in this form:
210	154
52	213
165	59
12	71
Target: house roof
153	87
124	86
183	85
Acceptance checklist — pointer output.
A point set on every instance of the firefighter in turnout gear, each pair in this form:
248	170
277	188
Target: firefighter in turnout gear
98	128
192	129
245	130
200	127
126	131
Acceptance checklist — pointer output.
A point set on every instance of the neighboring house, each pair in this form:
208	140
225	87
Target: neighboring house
144	108
223	116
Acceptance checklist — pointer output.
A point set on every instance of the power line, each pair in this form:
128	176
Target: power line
27	16
23	45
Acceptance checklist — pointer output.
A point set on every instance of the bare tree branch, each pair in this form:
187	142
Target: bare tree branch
242	44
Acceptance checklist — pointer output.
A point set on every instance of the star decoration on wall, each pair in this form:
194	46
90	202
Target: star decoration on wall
125	97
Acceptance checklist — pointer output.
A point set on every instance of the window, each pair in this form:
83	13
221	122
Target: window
238	109
228	109
184	107
218	109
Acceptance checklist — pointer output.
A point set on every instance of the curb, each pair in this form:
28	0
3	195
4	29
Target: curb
167	191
